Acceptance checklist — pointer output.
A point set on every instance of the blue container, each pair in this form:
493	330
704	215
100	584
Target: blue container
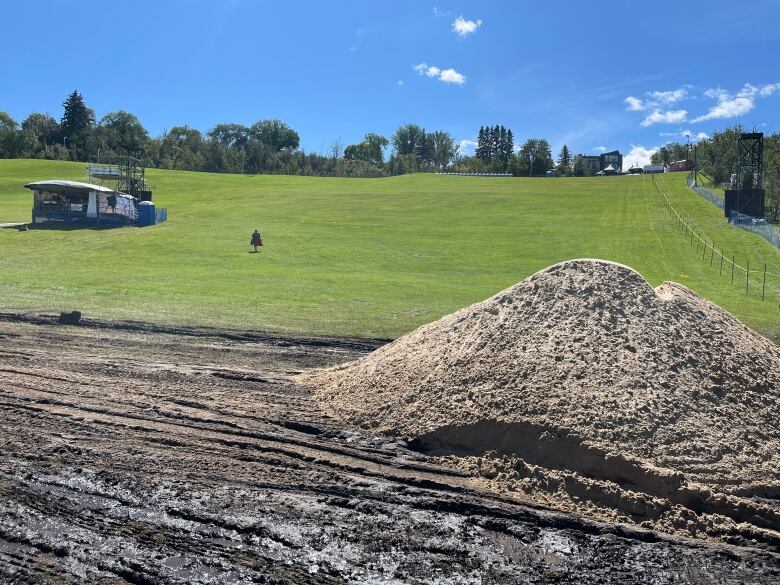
146	213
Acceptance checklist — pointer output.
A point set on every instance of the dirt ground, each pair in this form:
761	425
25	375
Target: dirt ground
148	455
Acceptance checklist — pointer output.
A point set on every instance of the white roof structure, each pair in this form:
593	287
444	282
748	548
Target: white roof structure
60	186
609	168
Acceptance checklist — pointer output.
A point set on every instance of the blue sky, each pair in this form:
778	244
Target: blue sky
624	75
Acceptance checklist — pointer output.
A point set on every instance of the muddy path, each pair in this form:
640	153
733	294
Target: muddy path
137	454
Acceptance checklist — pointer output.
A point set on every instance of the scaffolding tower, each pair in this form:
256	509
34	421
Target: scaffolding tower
746	195
120	173
750	160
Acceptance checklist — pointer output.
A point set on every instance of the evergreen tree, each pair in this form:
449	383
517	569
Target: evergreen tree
77	117
564	161
495	141
482	146
509	146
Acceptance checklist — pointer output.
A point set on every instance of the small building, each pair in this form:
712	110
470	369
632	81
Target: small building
72	202
635	170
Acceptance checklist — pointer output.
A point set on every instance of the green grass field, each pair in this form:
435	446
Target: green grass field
368	257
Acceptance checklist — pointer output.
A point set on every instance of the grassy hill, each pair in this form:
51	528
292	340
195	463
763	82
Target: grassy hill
372	257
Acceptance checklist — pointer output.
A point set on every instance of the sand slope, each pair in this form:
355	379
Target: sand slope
582	367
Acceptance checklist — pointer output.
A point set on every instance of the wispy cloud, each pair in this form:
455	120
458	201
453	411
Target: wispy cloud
734	105
464	28
600	148
669	97
400	82
359	34
664	117
444	75
685	134
634	104
656	100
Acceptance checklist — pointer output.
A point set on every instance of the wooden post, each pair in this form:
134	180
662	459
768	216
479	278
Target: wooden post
747	277
712	254
763	285
703	251
721	264
732	269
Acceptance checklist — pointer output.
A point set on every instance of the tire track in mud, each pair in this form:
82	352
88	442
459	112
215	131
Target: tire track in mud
206	465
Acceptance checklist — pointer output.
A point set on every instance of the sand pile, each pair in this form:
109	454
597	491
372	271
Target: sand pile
582	367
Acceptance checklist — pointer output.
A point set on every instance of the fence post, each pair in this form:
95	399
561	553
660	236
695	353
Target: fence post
703	250
712	254
721	264
732	269
747	277
697	245
763	285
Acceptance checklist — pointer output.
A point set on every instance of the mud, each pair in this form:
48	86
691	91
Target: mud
140	454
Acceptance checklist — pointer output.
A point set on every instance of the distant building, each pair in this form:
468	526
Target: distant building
591	163
681	165
599	163
659	168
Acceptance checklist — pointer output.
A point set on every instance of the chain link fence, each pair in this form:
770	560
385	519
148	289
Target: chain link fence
762	227
762	280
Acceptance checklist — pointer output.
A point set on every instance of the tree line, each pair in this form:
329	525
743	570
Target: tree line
716	159
267	146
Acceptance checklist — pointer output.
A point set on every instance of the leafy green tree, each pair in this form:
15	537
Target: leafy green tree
43	126
407	139
276	134
122	133
443	149
180	148
535	157
370	150
230	135
669	153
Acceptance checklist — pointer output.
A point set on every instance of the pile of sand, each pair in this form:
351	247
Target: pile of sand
584	368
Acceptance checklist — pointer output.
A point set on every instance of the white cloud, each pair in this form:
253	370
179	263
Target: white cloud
638	156
444	75
600	148
669	97
464	27
400	82
769	89
735	105
668	117
467	147
452	76
634	104
656	100
732	106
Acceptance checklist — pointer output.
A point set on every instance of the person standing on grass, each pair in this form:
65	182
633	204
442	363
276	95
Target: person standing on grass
256	240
